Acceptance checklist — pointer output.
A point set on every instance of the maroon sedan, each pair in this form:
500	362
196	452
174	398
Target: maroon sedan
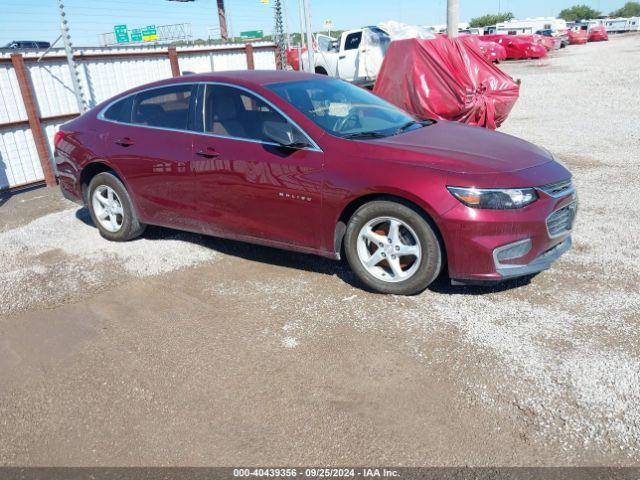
313	164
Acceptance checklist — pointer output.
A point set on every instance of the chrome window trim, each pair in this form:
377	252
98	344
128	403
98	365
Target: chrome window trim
100	116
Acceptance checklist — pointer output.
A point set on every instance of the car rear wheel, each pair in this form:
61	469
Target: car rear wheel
111	209
392	248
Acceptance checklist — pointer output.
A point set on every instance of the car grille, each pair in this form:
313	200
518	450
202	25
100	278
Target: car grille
558	189
561	221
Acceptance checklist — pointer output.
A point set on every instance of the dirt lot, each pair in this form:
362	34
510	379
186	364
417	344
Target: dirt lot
183	350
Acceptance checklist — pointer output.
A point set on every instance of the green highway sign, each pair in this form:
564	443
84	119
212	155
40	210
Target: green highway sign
149	33
122	34
136	35
252	34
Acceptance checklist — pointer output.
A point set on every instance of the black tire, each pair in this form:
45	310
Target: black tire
431	256
131	226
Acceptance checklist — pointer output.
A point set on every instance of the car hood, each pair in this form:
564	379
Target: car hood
459	148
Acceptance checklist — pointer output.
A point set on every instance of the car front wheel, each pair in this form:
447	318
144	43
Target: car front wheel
392	248
111	209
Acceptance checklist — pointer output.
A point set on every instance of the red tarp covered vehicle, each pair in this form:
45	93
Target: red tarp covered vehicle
550	43
598	34
578	38
446	79
293	57
492	51
518	47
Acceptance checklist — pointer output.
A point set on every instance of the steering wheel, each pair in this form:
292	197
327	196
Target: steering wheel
351	120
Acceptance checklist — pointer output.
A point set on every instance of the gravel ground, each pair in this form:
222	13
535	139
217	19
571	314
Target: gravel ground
179	349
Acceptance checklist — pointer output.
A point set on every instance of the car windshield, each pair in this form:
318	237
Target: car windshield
343	109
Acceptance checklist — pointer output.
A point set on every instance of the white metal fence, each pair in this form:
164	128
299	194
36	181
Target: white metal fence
104	72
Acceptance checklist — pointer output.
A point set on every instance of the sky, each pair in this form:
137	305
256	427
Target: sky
40	20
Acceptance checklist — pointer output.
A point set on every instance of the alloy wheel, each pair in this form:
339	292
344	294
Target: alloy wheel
389	249
107	208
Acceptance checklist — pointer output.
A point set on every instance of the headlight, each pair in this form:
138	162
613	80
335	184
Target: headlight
494	198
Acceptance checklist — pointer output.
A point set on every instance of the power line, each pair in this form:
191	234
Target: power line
89	20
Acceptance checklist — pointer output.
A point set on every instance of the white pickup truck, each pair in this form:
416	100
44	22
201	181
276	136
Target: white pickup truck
355	57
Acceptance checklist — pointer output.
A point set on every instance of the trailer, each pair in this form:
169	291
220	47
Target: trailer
617	25
530	25
633	24
585	25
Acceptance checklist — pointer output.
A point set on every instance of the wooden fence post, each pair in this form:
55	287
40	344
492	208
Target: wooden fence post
33	116
173	60
248	50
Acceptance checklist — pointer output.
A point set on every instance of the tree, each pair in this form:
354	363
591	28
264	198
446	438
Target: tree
578	12
490	19
630	9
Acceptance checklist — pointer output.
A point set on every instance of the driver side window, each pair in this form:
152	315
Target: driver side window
231	112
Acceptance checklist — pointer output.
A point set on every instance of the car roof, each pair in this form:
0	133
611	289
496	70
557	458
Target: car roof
250	77
244	78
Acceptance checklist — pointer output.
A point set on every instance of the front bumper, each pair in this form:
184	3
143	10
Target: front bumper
540	263
474	236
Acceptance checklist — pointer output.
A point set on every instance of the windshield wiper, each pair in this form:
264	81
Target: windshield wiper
369	134
404	127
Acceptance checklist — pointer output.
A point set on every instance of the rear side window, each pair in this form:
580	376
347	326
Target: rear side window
166	107
120	111
353	41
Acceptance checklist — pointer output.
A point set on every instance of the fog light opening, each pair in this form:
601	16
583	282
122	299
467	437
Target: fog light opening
512	251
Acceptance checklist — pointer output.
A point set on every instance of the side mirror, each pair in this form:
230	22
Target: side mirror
283	134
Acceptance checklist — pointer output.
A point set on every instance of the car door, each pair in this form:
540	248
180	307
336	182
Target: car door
152	149
248	186
348	57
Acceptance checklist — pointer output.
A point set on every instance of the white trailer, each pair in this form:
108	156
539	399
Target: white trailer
506	29
530	25
585	24
442	27
616	25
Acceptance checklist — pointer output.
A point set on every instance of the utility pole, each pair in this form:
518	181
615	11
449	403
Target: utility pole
287	32
279	34
222	18
307	21
452	18
73	68
301	15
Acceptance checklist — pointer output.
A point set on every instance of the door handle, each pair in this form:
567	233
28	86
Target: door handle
124	142
208	153
341	57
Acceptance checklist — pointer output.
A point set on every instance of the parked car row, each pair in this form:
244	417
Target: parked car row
471	92
357	55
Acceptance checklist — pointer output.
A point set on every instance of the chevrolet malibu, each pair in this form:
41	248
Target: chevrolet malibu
313	164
